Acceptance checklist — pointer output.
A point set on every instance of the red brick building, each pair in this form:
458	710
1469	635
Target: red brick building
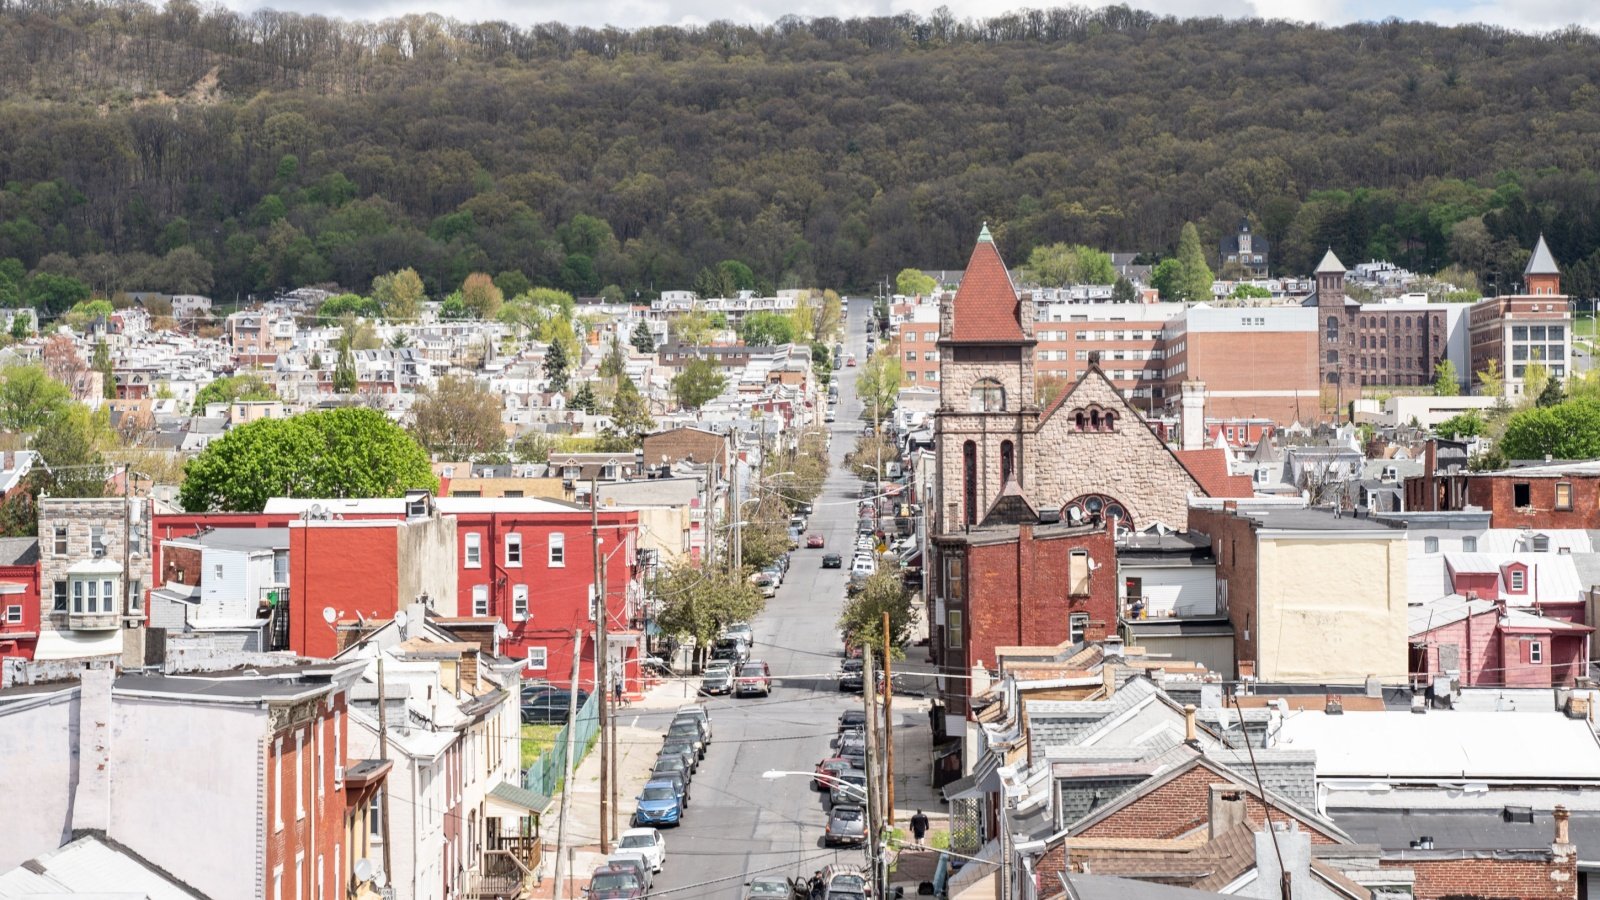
1553	495
1517	330
19	597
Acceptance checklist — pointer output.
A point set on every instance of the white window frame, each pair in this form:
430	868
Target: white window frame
1517	580
1536	653
513	551
1077	624
299	780
538	658
474	550
277	792
519	603
277	883
13	615
59	541
299	874
557	556
480	599
1430	545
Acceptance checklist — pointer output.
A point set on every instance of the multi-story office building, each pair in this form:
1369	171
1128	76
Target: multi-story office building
1532	327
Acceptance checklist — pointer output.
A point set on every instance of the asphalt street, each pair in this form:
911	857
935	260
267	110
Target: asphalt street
741	824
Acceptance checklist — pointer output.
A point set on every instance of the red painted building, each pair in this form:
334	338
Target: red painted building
19	596
526	561
1551	495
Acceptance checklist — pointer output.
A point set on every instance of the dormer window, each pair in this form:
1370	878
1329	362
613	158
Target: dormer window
988	395
1541	543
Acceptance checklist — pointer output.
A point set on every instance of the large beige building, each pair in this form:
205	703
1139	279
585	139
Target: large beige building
1314	597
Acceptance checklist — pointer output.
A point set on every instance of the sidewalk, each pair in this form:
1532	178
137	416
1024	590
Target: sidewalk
636	746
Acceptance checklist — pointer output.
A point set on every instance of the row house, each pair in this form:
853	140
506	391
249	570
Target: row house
257	336
459	823
92	558
1542	496
265	754
19	598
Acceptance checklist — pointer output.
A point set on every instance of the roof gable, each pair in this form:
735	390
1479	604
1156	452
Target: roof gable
1095	387
1541	262
1330	264
986	307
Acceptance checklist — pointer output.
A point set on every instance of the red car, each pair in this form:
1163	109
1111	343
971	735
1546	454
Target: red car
828	770
850	361
814	541
754	678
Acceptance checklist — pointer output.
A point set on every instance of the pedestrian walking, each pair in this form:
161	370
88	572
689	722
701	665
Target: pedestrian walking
919	826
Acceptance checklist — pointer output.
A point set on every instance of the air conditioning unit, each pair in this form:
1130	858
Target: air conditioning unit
338	774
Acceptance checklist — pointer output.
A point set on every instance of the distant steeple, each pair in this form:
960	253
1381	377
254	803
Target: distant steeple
984	237
1330	264
1541	262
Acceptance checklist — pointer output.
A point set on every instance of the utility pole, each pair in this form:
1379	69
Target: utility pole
738	513
602	658
874	818
611	719
383	754
571	763
888	727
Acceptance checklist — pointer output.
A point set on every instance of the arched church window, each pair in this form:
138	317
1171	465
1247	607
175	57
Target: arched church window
969	481
1008	462
988	395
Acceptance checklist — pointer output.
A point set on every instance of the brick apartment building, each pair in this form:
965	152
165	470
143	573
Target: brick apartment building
1256	362
1534	326
1551	495
1373	343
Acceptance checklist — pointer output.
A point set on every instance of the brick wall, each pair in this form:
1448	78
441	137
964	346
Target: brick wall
1497	493
1017	591
1233	545
1269	375
1181	806
1488	878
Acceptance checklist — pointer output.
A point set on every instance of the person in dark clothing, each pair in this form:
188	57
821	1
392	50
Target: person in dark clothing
919	826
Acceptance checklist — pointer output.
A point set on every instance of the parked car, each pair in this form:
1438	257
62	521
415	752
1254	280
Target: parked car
866	526
844	882
699	711
851	677
550	707
828	416
689	731
768	887
853	719
827	770
850	788
683	750
615	883
718	679
847	824
646	842
850	361
814	541
742	631
863	565
627	859
832	561
667	766
738	648
754	678
658	805
702	726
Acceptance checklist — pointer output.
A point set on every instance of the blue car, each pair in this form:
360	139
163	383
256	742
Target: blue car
659	804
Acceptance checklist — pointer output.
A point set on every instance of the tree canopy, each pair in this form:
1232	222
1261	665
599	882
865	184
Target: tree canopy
458	419
1568	430
350	452
700	382
231	388
1060	265
278	158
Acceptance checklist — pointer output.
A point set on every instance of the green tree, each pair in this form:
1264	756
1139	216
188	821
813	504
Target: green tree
767	329
1250	292
72	442
1195	277
1551	394
861	620
615	362
1167	279
344	368
1123	291
878	385
348	452
912	283
1569	430
1462	425
583	398
556	365
533	447
458	419
693	328
1048	387
1491	380
53	294
1535	377
698	603
512	283
700	382
101	362
1445	381
29	397
1059	265
399	295
630	414
87	312
642	340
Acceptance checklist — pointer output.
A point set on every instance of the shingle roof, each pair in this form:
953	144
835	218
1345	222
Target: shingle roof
1210	468
1541	262
1330	264
986	304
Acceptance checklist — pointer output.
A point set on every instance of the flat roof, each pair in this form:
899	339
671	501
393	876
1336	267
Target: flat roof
1315	519
228	687
1446	745
243	539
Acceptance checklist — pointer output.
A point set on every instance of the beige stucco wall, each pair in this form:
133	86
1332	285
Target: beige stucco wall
1332	610
427	560
664	529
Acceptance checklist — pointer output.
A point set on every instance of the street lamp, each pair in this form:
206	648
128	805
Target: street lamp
875	847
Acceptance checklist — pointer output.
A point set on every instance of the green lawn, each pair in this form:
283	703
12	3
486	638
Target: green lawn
1583	325
536	739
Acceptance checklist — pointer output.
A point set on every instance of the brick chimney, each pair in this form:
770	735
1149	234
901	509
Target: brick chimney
1192	416
1563	841
1430	465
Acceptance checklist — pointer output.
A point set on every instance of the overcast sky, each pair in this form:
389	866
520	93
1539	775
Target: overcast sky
1523	15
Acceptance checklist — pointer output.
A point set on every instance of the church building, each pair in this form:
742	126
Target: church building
1029	499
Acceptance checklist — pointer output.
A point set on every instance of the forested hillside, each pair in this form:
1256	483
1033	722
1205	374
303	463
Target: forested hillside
182	149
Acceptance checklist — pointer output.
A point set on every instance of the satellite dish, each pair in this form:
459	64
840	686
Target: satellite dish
315	511
400	619
362	870
501	631
330	616
380	880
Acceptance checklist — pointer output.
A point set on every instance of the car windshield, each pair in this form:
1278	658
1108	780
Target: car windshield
769	889
751	671
689	728
845	895
662	792
615	881
639	840
847	813
670	764
676	748
852	665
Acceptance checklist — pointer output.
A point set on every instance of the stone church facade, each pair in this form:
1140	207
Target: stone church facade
1090	456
